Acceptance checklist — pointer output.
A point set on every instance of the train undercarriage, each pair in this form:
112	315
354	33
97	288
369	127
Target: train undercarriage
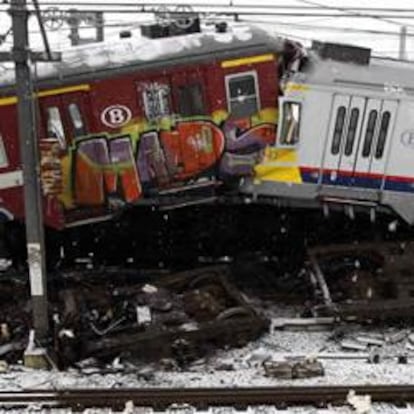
342	259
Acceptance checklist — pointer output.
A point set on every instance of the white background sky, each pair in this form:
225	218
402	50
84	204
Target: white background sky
321	28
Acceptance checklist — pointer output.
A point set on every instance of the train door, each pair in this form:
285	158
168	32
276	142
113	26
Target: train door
195	148
374	143
334	141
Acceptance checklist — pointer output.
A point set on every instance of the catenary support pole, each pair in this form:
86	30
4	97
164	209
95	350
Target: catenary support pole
403	43
31	170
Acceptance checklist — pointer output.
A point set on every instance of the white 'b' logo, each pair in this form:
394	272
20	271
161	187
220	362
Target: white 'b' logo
115	116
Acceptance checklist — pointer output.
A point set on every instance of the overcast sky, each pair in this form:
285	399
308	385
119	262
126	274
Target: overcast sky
338	29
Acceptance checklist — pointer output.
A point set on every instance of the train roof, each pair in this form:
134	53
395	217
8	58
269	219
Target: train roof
125	54
378	73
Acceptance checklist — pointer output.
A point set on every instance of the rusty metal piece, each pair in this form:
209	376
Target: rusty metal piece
306	368
278	369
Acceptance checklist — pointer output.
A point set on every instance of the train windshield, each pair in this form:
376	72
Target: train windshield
290	123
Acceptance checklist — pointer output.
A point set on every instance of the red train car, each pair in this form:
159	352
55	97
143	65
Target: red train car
138	120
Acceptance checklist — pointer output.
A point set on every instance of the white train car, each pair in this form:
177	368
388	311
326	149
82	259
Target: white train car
345	135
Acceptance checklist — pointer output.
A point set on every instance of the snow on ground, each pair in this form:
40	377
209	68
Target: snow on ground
239	367
376	409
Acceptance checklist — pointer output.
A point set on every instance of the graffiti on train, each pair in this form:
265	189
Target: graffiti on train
105	168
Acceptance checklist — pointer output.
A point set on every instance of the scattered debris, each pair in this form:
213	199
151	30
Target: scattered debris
363	281
354	345
393	338
360	403
129	408
374	357
225	366
403	359
308	368
179	317
370	340
301	324
257	357
305	368
279	369
4	366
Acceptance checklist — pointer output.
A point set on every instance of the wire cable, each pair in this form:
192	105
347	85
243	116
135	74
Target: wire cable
354	13
301	26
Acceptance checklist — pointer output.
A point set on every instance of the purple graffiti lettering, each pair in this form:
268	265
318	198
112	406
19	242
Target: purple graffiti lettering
96	150
248	141
121	150
151	159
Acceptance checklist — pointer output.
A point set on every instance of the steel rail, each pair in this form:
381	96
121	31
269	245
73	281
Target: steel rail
239	397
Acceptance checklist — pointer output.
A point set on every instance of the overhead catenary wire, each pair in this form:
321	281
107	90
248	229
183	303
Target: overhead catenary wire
352	12
326	11
298	26
311	6
305	26
249	16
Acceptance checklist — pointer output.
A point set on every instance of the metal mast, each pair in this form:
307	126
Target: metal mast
31	169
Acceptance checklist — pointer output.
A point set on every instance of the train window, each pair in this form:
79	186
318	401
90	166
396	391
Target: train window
350	137
156	98
290	123
242	95
385	122
77	122
369	134
339	126
55	125
190	100
3	156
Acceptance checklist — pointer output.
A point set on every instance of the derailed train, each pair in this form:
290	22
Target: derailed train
142	119
172	122
345	137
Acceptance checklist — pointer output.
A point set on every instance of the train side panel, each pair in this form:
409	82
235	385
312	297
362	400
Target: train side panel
399	181
127	138
11	175
337	146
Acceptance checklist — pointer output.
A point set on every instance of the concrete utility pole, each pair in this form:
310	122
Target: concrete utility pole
31	169
403	43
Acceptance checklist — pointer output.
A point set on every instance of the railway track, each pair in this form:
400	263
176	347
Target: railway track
161	398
